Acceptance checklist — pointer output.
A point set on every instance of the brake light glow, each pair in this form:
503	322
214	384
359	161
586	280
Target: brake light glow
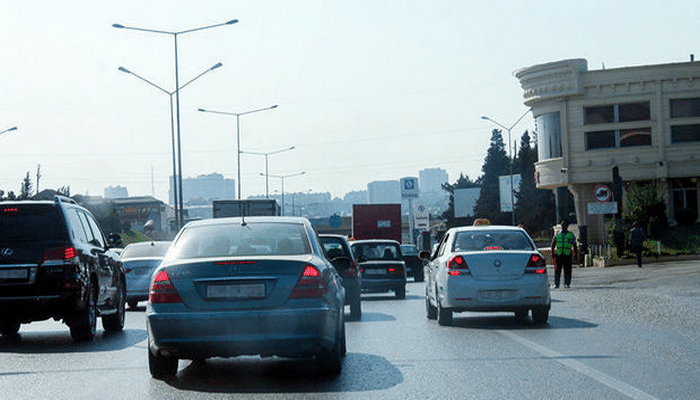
9	209
457	265
536	265
163	290
60	255
310	285
493	248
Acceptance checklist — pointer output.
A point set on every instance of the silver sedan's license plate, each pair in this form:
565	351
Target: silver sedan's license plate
497	295
236	291
375	272
22	273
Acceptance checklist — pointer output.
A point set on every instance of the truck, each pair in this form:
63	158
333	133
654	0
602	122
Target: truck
245	208
376	221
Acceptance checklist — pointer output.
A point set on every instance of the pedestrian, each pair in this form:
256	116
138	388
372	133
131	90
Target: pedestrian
636	242
564	250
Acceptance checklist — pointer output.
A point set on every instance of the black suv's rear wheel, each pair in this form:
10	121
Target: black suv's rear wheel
9	327
83	325
115	322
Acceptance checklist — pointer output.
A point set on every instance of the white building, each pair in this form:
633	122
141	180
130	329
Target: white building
643	120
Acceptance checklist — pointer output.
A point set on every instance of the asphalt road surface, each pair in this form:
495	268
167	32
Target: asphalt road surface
618	333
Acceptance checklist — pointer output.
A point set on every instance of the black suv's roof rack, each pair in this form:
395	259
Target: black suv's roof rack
63	199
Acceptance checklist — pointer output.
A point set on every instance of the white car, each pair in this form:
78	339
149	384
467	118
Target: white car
487	268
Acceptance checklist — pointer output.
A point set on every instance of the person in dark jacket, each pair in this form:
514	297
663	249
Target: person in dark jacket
564	250
636	242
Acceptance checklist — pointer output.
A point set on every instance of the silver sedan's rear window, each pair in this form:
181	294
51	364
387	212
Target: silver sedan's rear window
492	240
252	239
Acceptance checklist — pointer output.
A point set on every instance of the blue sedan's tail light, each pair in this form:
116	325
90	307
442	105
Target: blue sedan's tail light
310	285
457	265
162	289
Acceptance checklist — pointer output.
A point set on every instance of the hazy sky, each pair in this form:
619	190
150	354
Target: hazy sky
366	89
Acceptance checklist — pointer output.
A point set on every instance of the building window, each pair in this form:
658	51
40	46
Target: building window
548	136
635	137
599	115
619	114
685	133
600	140
685	108
685	194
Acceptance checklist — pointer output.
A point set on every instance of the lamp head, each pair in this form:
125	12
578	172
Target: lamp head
118	26
124	70
231	22
217	65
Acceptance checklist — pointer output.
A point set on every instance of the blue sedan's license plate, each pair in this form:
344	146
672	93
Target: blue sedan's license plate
236	291
375	272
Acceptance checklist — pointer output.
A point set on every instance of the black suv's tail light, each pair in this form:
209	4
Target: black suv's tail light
60	255
310	285
457	265
536	265
162	290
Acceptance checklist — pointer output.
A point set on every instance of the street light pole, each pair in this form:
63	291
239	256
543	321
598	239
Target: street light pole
178	220
282	177
177	92
14	128
510	161
238	134
267	186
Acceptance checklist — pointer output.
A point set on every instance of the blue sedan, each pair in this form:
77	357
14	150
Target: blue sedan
487	268
254	286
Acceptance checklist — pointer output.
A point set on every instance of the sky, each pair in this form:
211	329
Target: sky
366	90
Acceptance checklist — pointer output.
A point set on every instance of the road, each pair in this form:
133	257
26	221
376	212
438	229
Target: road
618	333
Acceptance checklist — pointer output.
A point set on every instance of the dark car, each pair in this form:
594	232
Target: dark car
56	263
338	251
259	286
381	266
414	264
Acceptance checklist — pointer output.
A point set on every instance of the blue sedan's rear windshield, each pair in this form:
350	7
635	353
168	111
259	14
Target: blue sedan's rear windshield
234	239
492	240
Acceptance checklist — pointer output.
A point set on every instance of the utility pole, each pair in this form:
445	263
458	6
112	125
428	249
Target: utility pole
38	176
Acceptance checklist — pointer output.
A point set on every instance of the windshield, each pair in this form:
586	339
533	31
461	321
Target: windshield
234	239
30	223
376	251
145	249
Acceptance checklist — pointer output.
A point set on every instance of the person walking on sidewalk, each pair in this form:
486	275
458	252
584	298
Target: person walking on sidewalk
564	250
636	242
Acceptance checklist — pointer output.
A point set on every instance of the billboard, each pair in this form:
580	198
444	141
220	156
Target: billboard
504	191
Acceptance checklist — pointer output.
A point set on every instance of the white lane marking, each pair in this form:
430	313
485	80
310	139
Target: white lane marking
605	379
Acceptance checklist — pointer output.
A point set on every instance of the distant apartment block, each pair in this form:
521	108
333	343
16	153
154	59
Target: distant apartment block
432	179
115	192
205	188
384	192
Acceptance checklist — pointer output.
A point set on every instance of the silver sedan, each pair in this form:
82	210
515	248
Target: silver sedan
255	286
487	268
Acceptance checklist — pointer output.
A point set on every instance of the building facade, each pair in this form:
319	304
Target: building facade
642	121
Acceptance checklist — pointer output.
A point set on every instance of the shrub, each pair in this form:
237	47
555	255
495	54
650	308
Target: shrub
686	216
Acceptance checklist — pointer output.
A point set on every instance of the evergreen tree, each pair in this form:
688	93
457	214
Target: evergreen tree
26	188
534	208
496	164
449	215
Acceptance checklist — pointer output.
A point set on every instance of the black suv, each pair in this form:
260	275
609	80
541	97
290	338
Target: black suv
55	263
338	251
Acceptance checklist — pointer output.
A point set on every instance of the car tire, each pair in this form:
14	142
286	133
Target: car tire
162	368
430	309
521	314
330	361
84	324
115	322
419	277
356	308
9	327
133	303
540	315
444	315
400	292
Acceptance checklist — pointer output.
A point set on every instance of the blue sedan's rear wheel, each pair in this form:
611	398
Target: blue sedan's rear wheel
162	367
540	314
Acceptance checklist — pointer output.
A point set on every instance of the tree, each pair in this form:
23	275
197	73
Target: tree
496	164
449	215
26	188
645	207
534	207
